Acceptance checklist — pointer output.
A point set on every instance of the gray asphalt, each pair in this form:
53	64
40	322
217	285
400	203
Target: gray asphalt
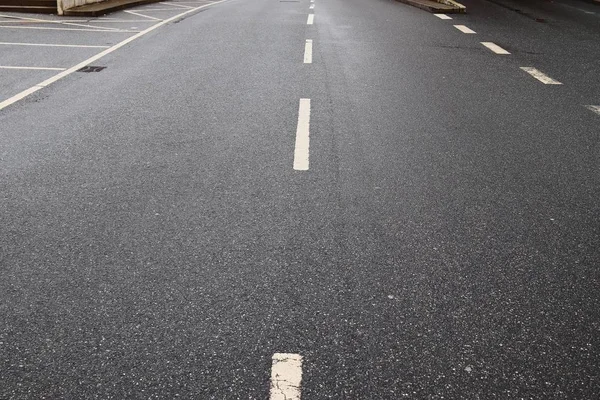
445	243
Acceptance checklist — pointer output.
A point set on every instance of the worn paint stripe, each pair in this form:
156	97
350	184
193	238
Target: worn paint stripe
540	76
301	150
286	376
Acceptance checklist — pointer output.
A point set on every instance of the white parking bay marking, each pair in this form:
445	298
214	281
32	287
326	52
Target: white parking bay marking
464	29
286	376
54	45
32	68
308	52
301	151
495	48
540	76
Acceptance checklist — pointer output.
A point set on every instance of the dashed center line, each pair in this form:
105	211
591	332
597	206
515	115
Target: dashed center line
286	376
464	29
495	48
301	151
311	19
312	7
540	76
443	16
308	52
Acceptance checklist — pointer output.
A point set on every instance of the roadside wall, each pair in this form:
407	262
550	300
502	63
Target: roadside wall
66	4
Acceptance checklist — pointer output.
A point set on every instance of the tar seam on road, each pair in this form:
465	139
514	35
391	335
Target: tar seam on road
82	64
495	48
540	76
301	149
286	376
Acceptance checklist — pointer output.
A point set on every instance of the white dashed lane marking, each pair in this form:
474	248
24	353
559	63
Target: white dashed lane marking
595	109
540	76
464	29
495	48
311	19
286	376
312	6
308	52
301	150
443	16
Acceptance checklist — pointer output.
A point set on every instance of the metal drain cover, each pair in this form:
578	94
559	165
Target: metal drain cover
90	68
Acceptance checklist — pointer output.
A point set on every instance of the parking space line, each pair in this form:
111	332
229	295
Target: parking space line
495	48
595	109
91	26
69	71
32	68
286	376
464	29
144	16
54	45
176	5
301	150
70	29
443	16
308	52
311	19
540	76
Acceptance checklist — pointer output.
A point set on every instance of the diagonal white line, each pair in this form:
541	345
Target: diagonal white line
142	15
540	76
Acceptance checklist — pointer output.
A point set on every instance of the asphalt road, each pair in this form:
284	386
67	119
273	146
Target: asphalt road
156	241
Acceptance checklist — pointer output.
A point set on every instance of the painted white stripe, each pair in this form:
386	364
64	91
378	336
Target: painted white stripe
595	109
59	76
443	16
464	29
312	7
92	26
495	48
311	19
286	376
302	136
34	68
312	1
143	16
176	5
100	29
308	52
540	76
54	45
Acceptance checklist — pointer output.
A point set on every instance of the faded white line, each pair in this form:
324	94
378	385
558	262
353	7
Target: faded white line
464	29
33	68
100	29
495	48
43	84
176	5
540	76
142	15
92	26
595	109
54	45
286	376
308	52
312	7
443	16
311	19
301	150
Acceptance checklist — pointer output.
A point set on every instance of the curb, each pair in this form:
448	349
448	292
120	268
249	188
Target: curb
437	6
104	7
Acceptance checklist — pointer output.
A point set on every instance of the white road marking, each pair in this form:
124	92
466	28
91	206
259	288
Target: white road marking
92	26
311	19
53	45
595	109
59	76
143	16
34	68
464	29
302	136
308	52
100	29
286	376
176	5
443	16
312	7
495	48
540	76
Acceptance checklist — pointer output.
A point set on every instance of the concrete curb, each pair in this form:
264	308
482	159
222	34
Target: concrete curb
104	7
